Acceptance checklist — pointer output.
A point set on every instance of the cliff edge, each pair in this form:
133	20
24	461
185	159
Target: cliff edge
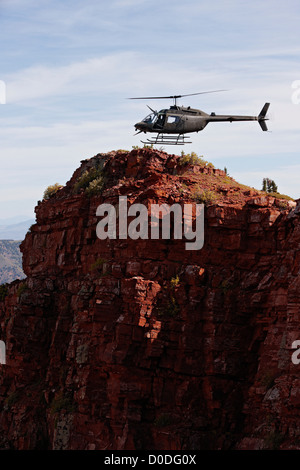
140	343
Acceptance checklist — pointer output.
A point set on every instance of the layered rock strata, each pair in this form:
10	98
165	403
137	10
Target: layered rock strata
141	344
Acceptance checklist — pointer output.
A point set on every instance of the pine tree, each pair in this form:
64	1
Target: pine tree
269	186
274	187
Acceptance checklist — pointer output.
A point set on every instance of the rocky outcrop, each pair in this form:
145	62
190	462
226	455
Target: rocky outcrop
142	344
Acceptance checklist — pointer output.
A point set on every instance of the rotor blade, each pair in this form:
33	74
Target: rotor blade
155	112
173	96
201	93
151	98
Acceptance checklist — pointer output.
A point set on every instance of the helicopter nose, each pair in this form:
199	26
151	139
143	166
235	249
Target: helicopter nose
140	126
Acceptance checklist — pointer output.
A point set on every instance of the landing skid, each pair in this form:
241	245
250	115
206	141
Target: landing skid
179	139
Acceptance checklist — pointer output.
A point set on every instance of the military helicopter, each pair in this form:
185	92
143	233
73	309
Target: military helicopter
171	125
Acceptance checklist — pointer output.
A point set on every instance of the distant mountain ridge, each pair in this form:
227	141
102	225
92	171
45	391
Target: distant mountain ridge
15	231
10	261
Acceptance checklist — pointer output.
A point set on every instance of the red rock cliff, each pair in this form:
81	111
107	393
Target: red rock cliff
142	344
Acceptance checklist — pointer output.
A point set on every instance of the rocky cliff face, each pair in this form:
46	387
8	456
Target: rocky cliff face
142	344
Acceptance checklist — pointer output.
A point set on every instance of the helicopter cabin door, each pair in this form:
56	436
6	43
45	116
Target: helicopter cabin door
174	124
159	121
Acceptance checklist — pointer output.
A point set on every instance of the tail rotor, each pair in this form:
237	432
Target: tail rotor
262	117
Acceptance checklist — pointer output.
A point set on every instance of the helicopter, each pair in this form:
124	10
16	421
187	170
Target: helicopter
171	125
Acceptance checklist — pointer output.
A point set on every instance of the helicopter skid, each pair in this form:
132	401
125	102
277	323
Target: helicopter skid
179	139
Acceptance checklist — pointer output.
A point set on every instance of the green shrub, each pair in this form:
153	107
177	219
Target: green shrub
174	282
281	196
193	159
92	181
148	146
51	190
95	186
204	196
84	180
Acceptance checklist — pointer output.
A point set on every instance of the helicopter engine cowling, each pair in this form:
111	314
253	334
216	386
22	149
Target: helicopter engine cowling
195	123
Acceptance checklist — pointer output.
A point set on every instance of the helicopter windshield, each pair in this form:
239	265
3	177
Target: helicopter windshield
154	117
150	118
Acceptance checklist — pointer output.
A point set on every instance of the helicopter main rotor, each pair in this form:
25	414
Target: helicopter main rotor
174	97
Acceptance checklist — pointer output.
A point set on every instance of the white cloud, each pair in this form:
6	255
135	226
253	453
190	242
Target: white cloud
69	67
97	75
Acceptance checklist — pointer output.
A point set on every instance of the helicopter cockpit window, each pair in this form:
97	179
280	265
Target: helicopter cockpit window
150	118
173	119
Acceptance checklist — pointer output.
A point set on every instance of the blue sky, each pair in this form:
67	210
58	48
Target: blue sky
70	66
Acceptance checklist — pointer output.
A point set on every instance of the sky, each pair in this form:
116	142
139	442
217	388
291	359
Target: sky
68	68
